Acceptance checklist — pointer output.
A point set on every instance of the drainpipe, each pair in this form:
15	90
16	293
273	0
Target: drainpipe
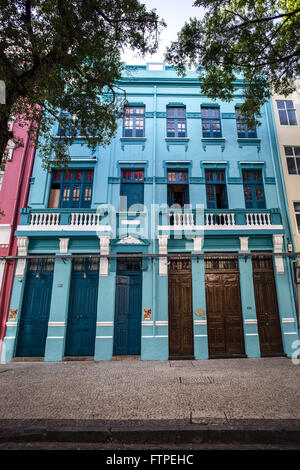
16	211
283	198
153	219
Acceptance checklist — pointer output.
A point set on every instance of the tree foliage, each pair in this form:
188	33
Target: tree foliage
258	39
63	54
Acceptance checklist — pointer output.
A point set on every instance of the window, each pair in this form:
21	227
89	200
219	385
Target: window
178	188
297	214
292	155
176	122
287	113
132	187
211	124
216	194
253	189
71	189
134	121
243	130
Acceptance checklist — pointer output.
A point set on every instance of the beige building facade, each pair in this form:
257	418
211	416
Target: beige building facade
287	121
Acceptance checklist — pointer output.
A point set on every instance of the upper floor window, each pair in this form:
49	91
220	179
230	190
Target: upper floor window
176	122
71	189
287	113
211	123
297	214
65	131
253	189
132	187
292	155
243	130
178	188
134	121
216	194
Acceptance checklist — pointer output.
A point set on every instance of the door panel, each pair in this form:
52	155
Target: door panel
128	306
180	309
35	312
224	310
81	330
266	307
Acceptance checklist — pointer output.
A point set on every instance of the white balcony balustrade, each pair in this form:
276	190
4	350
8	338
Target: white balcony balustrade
217	220
182	220
44	220
82	220
258	219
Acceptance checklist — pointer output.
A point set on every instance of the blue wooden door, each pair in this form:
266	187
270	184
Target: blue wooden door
35	309
127	332
81	329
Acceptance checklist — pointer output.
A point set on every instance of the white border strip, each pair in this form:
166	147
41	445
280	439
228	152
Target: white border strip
104	323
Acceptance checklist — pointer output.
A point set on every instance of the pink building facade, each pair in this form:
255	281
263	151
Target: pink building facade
14	190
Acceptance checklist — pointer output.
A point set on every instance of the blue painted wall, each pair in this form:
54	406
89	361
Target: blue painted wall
155	155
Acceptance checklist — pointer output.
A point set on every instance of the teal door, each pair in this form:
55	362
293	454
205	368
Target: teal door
81	329
35	309
128	306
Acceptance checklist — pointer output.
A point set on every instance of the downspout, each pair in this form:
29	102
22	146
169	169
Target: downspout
283	198
153	219
12	239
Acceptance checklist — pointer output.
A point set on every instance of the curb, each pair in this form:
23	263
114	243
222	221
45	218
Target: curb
279	432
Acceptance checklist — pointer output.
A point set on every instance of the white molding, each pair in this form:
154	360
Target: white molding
219	227
103	337
5	231
22	251
244	243
147	323
278	247
130	240
163	250
200	322
104	323
288	320
161	323
64	245
155	336
250	321
198	244
104	250
11	323
64	228
56	323
130	222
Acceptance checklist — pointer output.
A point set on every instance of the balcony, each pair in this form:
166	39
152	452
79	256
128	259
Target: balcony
57	220
220	219
82	221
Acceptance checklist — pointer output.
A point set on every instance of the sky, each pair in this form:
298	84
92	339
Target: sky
175	13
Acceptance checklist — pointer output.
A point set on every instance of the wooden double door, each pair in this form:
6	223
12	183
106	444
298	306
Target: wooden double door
267	313
180	304
223	307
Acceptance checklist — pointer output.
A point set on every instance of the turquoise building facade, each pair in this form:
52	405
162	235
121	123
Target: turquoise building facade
182	268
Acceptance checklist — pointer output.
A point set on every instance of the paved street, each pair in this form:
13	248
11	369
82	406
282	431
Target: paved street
130	404
120	390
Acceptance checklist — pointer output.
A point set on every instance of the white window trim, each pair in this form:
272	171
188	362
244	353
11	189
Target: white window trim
291	156
290	109
297	202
